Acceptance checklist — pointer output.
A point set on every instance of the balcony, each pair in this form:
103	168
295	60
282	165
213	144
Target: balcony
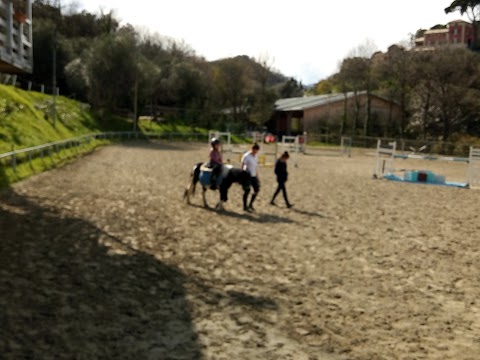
16	41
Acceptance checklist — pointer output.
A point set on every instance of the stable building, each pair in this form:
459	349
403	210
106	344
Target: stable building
334	113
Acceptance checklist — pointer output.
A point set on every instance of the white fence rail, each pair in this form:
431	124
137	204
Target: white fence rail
48	149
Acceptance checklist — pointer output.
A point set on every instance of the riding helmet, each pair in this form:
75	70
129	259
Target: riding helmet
214	142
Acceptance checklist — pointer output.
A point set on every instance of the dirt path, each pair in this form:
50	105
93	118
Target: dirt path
102	259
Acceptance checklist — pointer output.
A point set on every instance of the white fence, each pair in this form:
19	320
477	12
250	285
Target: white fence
49	149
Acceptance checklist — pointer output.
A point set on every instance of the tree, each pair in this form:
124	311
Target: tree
230	78
262	100
357	70
46	35
353	76
325	86
472	9
77	78
396	75
261	103
291	88
110	68
445	80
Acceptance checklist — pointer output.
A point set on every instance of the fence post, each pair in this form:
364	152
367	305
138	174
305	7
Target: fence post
14	163
42	88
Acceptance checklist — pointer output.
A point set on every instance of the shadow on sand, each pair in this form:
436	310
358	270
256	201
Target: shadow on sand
307	213
69	291
254	217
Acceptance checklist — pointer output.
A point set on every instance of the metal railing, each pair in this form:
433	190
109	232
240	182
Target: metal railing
48	149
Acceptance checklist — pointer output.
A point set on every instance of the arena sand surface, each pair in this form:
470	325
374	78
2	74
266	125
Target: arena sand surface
101	259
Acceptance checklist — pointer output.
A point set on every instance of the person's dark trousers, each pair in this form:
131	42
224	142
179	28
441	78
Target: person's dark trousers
281	187
246	191
245	199
256	188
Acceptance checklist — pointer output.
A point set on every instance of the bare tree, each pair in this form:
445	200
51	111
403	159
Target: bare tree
445	82
396	75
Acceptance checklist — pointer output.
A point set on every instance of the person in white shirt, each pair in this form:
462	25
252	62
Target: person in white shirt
250	164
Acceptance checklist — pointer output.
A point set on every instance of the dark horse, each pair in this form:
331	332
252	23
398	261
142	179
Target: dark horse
229	175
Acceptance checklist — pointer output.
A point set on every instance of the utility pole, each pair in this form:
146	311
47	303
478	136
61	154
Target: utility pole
54	77
135	92
135	103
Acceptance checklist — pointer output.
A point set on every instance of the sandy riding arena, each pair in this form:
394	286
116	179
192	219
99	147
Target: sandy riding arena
101	259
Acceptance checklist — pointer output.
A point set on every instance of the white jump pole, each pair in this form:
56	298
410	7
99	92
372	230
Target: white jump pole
473	173
225	145
384	158
292	143
346	146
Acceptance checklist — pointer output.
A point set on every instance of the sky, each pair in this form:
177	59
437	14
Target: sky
303	39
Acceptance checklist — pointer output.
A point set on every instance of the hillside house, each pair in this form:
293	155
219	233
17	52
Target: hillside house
456	33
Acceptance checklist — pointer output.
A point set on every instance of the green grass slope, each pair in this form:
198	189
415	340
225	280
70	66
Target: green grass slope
26	119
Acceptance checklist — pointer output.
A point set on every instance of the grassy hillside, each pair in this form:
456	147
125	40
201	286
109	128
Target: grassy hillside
26	119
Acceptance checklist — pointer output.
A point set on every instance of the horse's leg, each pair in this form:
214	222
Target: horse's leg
194	177
204	197
220	206
188	192
224	186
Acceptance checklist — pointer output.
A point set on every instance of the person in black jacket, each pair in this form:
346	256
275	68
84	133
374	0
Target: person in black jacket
282	176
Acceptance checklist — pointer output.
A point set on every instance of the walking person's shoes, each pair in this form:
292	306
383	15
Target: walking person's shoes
289	206
247	209
251	208
273	203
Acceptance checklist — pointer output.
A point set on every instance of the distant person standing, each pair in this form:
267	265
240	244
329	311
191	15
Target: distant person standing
282	177
250	165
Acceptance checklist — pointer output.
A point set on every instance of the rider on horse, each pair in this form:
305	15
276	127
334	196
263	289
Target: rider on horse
215	163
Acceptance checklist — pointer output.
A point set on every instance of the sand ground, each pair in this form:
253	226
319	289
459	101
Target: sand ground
101	259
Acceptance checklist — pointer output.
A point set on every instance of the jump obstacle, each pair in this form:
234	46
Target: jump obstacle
224	137
227	146
473	173
294	145
386	155
344	150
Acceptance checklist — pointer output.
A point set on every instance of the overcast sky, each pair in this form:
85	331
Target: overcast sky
304	39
